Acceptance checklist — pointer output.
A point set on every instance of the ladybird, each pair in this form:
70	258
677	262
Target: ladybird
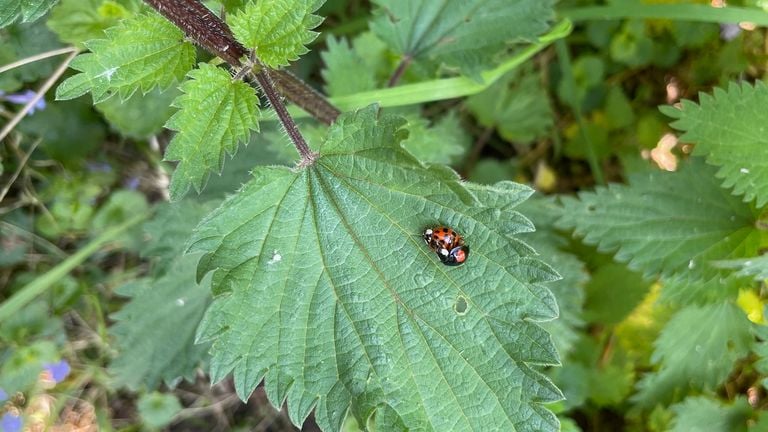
447	244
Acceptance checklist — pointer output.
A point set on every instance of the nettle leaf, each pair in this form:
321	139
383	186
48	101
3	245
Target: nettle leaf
216	113
277	30
345	71
140	53
704	414
517	106
696	349
729	129
755	268
155	331
23	10
76	21
326	291
463	34
569	291
667	223
443	142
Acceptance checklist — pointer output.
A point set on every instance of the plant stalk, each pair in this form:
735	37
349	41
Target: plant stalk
207	30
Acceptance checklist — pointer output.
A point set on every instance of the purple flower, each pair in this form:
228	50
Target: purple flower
132	183
729	31
10	423
23	98
98	167
58	371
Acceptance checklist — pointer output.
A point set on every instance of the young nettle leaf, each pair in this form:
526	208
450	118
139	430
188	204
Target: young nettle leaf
701	413
666	223
728	128
697	349
140	53
24	10
277	30
517	106
155	331
326	290
440	143
459	33
345	71
76	21
216	113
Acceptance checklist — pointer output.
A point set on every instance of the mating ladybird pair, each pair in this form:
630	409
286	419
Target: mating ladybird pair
447	244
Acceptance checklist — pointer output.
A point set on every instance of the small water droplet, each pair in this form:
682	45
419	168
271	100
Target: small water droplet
180	302
276	258
699	348
744	171
691	264
747	263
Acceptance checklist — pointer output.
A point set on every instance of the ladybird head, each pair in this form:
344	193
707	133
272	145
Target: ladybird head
428	235
456	256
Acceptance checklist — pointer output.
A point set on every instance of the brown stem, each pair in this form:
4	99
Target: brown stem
207	30
267	85
404	63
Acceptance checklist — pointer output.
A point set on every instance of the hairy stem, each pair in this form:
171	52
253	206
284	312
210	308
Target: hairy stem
267	85
206	29
404	63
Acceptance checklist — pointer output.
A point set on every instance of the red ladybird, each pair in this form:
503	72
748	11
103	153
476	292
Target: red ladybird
447	244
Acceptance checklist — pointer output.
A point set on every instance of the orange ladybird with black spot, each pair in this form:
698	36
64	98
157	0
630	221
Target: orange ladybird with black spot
447	244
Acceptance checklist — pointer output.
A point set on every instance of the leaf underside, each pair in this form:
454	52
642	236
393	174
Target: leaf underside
326	290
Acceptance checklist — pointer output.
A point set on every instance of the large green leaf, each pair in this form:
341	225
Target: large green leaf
216	113
277	30
139	53
23	10
460	33
325	289
729	129
155	331
669	223
696	349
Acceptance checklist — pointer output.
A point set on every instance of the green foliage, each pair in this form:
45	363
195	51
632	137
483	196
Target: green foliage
215	115
346	71
129	117
140	53
702	414
461	34
152	332
726	130
23	10
697	349
158	409
19	41
277	30
441	143
69	130
517	106
339	247
608	302
77	21
649	222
